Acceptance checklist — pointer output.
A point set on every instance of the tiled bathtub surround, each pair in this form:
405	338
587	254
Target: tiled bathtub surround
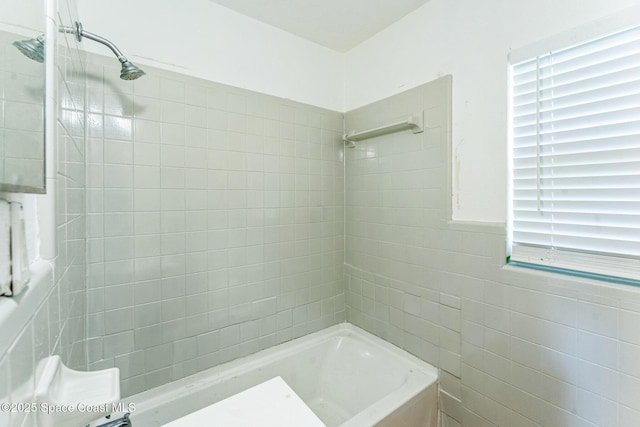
70	194
215	224
55	312
515	347
394	204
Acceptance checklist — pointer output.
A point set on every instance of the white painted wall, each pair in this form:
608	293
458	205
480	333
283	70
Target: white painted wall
469	39
22	17
202	39
466	38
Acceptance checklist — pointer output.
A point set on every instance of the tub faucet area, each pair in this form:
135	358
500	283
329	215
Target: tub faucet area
123	421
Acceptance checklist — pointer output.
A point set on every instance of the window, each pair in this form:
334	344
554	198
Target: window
575	124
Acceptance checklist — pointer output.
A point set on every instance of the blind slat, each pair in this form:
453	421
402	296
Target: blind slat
581	146
558	74
549	91
597	132
603	45
584	171
592	109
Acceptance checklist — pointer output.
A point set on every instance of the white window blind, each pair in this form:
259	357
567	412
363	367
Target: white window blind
576	158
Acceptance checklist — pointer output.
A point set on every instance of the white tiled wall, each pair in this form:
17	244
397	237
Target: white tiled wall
515	347
70	191
57	316
215	223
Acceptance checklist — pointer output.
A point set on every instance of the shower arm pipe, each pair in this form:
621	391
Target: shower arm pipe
79	32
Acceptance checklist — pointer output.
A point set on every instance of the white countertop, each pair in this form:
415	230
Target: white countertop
270	404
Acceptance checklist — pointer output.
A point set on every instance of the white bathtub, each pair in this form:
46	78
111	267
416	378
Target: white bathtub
347	376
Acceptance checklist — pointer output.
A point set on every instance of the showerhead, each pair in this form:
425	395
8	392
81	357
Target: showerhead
32	48
130	71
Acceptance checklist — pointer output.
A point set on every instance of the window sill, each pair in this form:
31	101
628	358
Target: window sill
570	275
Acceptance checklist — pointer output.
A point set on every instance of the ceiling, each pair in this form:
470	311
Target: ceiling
337	24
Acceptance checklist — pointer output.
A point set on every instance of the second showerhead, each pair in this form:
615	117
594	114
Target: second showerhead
32	48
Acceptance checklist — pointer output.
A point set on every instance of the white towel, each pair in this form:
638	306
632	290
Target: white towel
19	258
5	251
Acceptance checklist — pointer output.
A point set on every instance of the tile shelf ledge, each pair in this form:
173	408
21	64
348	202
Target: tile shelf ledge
15	312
